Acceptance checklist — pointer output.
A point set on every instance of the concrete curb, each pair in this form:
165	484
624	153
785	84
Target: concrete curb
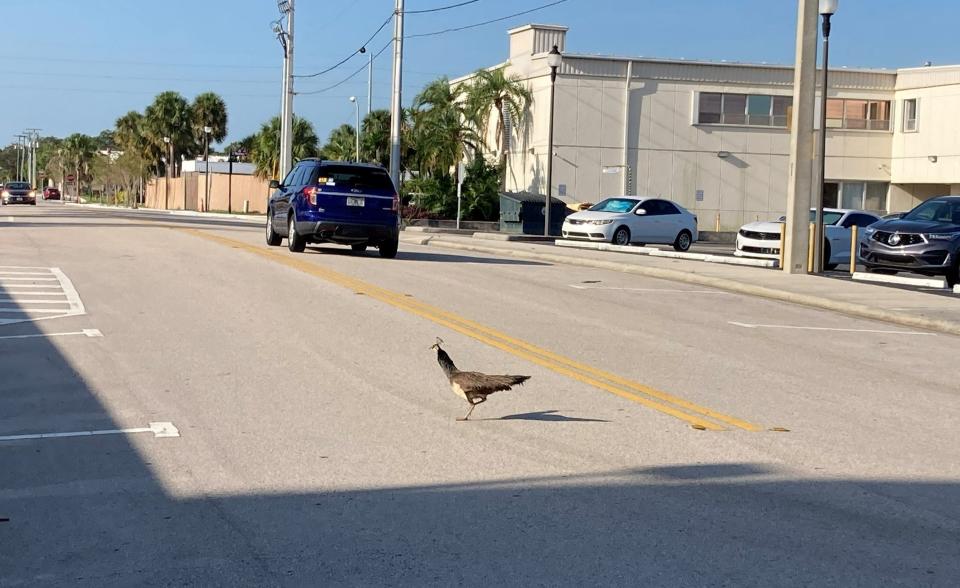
655	252
848	308
253	219
902	280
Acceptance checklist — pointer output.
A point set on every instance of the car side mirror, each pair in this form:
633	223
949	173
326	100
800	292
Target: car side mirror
640	212
275	184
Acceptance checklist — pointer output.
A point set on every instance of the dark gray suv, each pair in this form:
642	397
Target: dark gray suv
926	240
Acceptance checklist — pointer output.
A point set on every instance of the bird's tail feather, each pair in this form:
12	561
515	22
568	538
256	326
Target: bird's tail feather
517	380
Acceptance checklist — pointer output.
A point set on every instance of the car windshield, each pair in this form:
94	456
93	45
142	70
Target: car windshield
941	211
362	178
829	218
17	186
614	205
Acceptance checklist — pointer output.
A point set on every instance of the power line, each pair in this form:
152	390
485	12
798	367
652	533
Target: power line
362	48
350	77
480	24
438	9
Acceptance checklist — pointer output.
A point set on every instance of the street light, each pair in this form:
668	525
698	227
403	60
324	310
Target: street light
206	167
554	59
827	9
357	132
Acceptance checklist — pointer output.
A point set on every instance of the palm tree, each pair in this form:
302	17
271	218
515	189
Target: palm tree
78	152
170	116
507	96
443	133
375	139
209	110
266	145
341	145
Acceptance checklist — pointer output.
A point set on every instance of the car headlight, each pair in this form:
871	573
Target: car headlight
941	236
33	194
601	222
869	231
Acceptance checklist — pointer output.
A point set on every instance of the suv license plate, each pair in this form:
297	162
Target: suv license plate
354	201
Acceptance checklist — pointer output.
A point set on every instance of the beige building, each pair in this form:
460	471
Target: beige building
713	136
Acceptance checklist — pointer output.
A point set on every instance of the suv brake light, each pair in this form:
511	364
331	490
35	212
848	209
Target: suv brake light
310	192
395	207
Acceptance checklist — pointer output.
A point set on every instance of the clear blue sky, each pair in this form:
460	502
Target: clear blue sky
76	65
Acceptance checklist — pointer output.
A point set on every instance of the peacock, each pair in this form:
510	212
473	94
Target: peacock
473	387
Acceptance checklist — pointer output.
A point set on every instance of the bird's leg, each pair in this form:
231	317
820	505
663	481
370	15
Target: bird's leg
472	406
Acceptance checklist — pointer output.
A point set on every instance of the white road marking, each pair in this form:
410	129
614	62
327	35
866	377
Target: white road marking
11	220
664	290
27	301
835	329
19	301
160	429
6	273
86	332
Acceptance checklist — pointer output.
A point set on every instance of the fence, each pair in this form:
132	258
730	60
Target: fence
227	193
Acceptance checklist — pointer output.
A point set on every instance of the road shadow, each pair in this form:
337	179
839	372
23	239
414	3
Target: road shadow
546	416
93	512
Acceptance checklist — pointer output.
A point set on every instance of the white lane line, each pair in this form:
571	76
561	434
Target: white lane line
28	301
9	287
160	429
11	220
86	332
31	293
59	311
5	273
6	279
23	267
664	290
76	305
835	329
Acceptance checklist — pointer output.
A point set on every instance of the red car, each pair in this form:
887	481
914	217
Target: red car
51	193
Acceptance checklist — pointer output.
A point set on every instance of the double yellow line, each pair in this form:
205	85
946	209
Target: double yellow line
698	416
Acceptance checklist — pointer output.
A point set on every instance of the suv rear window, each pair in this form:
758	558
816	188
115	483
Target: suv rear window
349	176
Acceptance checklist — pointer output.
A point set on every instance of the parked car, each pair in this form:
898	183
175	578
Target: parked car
926	240
623	220
51	193
320	201
762	239
18	193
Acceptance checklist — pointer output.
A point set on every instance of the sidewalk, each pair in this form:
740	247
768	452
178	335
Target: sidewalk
935	311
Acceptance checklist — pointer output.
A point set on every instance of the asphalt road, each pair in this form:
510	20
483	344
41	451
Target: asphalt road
657	443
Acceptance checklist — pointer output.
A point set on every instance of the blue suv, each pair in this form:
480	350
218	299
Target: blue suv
320	201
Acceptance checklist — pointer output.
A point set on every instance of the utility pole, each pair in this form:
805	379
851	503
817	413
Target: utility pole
369	82
800	188
396	113
34	143
286	124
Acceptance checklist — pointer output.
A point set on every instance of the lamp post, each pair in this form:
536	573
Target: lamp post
356	133
827	9
167	162
554	59
206	168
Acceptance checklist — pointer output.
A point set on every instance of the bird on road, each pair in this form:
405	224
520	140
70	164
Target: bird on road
473	387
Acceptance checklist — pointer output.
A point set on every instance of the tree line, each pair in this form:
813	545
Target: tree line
444	126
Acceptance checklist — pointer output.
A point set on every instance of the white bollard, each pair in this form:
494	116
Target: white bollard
246	207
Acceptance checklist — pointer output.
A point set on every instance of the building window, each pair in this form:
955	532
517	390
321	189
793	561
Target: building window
910	115
755	110
869	196
871	115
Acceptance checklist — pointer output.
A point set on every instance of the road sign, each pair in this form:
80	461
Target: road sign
71	178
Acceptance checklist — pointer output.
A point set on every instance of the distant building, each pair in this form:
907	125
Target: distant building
713	136
218	165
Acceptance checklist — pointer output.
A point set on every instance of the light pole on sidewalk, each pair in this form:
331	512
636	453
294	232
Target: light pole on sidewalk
554	59
206	168
827	9
357	132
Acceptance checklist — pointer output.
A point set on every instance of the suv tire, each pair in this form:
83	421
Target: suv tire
273	238
388	249
295	242
683	241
